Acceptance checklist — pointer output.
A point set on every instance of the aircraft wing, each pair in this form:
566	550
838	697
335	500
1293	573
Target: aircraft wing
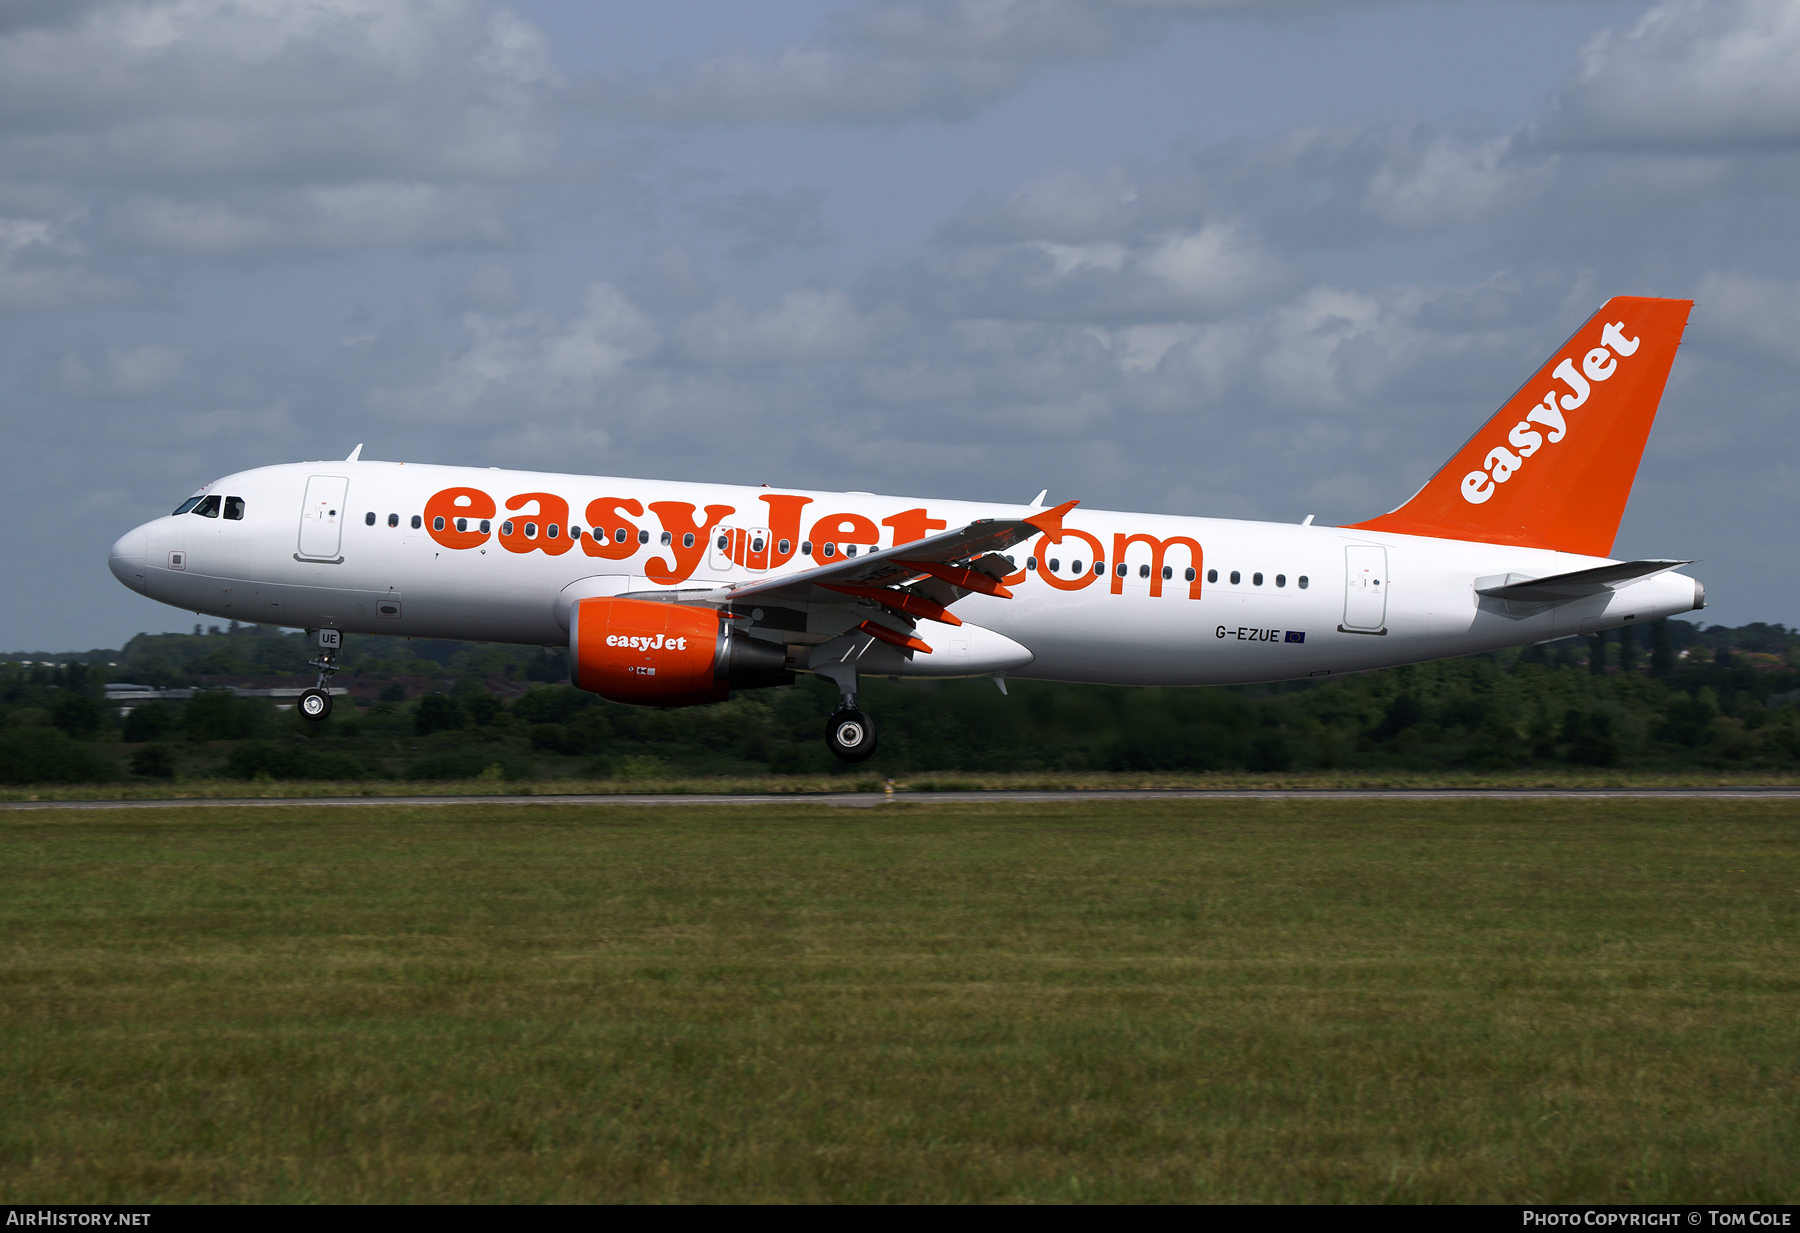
1560	588
911	581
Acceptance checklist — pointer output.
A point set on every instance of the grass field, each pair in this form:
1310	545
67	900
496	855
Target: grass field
854	779
1435	1001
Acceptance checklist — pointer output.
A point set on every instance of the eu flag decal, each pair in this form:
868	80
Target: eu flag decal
1296	635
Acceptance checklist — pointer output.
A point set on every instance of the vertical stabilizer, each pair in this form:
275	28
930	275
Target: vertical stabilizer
1554	468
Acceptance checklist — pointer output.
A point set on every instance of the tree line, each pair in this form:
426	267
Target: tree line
1671	695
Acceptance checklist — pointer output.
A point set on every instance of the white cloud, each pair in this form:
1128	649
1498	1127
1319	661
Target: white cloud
1689	73
517	364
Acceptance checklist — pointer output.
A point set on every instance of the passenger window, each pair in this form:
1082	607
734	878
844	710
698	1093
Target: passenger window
756	545
1280	580
530	530
484	526
417	522
437	524
1169	572
667	538
687	541
1144	571
1030	562
620	536
1075	567
1055	565
806	547
208	508
723	542
783	547
553	530
1256	579
234	509
849	550
1303	582
369	519
1122	571
1236	577
828	550
506	528
393	520
1212	575
462	524
644	537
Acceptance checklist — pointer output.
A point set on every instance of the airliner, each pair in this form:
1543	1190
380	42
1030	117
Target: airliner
676	594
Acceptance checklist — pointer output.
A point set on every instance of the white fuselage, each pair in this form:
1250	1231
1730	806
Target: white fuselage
1329	600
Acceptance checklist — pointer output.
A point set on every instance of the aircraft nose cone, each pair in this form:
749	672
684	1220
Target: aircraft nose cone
128	560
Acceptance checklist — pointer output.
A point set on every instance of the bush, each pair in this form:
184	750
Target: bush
76	714
437	713
255	758
48	755
150	722
220	715
470	763
155	761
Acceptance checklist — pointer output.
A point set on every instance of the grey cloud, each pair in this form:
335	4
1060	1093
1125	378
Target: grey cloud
768	221
885	61
1713	74
1744	313
44	265
1178	274
224	126
113	371
892	60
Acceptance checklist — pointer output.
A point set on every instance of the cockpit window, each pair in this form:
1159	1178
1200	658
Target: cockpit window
234	508
208	507
188	505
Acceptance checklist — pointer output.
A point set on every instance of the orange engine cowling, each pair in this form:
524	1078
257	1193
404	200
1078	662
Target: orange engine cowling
657	654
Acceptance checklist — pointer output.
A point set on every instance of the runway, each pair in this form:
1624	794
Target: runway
867	800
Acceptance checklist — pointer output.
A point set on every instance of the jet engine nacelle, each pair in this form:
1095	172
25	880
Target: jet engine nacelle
658	654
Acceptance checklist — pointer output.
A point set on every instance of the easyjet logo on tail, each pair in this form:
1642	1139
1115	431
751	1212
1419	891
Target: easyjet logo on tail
1502	463
1553	467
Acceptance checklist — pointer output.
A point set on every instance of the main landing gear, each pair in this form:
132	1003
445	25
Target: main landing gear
849	734
315	703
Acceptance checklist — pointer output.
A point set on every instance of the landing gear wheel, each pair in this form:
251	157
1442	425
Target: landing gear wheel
851	735
315	704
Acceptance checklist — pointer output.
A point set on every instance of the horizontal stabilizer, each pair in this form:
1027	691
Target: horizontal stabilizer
1560	588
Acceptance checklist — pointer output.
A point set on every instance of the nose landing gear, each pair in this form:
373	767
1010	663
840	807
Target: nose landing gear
315	703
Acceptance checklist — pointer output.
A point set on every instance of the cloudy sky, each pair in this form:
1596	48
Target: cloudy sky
1231	257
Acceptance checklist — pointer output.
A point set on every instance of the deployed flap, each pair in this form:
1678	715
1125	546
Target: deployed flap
1559	588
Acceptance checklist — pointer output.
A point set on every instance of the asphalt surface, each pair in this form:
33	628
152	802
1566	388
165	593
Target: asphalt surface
865	800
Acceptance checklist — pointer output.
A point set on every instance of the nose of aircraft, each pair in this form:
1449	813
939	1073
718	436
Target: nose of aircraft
128	560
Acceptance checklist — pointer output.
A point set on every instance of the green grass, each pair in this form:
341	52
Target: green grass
860	779
1331	1001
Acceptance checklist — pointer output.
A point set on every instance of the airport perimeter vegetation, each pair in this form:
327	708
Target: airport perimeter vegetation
1564	1000
1693	706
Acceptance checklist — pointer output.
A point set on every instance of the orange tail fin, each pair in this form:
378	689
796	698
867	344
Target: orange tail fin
1554	468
